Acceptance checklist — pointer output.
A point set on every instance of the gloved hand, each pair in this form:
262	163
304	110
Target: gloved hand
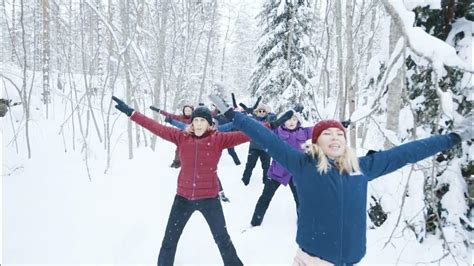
249	110
222	105
123	107
465	129
346	123
298	108
282	119
168	119
156	109
234	102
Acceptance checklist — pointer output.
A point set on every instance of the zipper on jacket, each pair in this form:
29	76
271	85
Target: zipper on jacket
195	167
342	214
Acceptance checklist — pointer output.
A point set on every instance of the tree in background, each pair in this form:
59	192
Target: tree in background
283	71
445	24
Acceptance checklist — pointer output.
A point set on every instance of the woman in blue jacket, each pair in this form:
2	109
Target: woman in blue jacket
331	183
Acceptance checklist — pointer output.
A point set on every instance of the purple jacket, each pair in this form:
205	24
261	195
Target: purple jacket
296	138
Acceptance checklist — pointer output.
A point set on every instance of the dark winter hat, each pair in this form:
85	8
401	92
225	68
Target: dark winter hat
203	112
323	125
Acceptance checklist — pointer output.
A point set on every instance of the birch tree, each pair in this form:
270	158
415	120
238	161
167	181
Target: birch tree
349	70
341	100
160	64
46	56
395	87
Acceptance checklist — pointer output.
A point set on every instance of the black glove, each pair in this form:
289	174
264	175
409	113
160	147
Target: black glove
123	107
234	102
257	102
168	119
246	109
280	121
298	108
252	109
346	123
222	105
156	109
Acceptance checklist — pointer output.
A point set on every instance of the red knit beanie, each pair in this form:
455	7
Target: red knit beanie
323	125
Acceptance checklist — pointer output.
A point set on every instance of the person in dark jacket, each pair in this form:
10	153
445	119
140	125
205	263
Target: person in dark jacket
222	120
185	117
200	148
262	114
294	134
331	183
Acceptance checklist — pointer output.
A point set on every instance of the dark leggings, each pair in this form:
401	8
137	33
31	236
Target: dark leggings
263	202
181	211
252	158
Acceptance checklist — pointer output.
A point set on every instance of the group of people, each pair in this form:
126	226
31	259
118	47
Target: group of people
329	183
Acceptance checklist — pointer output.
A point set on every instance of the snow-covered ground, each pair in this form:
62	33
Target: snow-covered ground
53	214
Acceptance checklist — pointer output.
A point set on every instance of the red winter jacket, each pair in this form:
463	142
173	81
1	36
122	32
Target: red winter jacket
199	156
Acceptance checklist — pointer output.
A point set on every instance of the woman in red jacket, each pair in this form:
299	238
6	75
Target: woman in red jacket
200	148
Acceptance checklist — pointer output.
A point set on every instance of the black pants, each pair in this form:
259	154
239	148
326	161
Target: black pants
181	211
234	156
252	158
269	190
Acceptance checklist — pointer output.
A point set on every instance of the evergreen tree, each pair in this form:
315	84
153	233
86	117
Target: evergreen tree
420	85
283	70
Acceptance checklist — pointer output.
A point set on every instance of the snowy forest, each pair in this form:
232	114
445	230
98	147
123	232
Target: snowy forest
82	184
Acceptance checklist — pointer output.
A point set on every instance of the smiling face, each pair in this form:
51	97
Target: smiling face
261	112
333	142
188	111
291	123
200	126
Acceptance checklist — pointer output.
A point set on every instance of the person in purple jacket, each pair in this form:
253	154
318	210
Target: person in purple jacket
295	135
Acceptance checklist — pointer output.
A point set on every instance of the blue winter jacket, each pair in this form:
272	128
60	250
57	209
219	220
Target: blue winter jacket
332	206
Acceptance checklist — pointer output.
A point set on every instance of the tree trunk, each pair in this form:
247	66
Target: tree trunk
13	31
208	50
226	38
46	56
161	61
394	95
25	96
340	55
289	46
124	15
349	73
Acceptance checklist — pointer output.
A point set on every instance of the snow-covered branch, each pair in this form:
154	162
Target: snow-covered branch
434	50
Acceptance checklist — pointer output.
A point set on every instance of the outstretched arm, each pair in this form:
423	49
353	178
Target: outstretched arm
226	127
282	152
166	133
163	112
381	163
175	122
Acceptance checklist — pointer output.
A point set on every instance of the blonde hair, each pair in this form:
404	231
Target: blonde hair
346	163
